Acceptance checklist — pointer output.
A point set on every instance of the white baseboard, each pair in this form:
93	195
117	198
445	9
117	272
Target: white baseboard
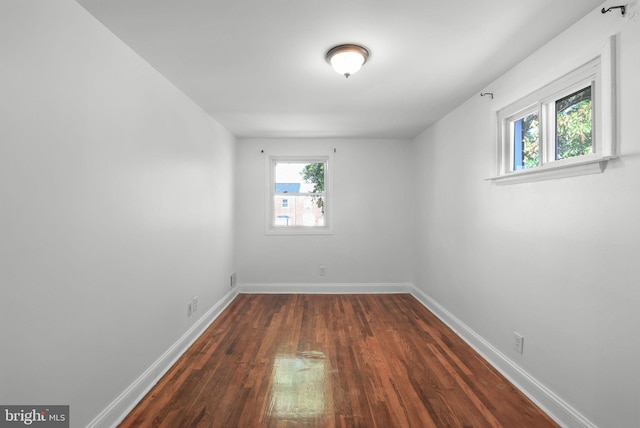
325	288
553	405
115	412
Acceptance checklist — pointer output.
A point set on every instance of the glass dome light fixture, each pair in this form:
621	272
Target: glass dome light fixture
347	59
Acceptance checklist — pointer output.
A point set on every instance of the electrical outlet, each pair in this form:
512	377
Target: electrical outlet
189	309
194	302
323	271
518	342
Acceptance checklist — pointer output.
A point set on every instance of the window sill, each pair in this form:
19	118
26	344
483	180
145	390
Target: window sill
288	231
558	169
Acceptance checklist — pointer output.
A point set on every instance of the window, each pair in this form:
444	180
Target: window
298	197
563	129
574	124
569	134
526	141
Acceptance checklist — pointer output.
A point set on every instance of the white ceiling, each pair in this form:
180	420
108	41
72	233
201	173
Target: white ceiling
258	66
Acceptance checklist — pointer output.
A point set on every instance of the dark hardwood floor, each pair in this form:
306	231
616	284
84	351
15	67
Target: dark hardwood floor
332	360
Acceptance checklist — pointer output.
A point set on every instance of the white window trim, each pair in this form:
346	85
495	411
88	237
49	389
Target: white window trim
270	227
600	73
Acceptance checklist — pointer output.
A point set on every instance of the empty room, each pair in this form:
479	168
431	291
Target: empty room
333	214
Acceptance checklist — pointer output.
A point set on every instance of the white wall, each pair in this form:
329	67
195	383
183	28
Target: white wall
116	196
371	216
556	261
116	208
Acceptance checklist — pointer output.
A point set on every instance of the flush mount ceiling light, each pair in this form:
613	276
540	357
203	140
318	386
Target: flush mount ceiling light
347	59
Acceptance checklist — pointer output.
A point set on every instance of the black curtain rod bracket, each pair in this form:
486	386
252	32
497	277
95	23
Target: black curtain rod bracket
482	94
623	9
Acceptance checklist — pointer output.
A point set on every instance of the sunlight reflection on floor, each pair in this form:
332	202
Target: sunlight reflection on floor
298	391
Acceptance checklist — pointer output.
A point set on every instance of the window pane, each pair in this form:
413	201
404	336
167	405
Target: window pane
526	142
574	124
299	211
299	177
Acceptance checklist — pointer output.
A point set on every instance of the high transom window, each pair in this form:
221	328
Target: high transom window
568	124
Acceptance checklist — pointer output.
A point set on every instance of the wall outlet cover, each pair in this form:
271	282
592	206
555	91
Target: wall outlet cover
518	342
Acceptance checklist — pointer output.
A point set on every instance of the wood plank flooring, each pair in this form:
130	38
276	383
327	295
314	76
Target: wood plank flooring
332	361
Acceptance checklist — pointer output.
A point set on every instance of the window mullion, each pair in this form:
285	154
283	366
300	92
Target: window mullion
546	133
